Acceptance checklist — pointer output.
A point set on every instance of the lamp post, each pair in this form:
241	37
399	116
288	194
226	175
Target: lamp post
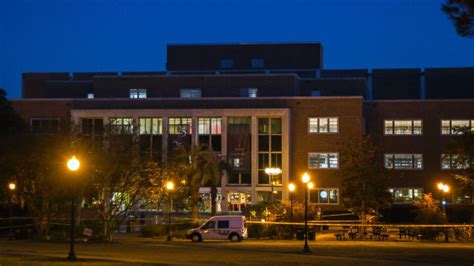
270	171
11	187
169	188
444	189
291	188
306	182
73	165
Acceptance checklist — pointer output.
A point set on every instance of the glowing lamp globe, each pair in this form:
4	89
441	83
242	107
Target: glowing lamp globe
305	178
73	164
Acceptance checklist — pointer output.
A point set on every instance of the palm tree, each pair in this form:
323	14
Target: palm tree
199	167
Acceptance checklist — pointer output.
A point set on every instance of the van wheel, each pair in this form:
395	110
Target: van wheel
196	237
235	238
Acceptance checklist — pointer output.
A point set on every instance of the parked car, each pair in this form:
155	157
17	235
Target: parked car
229	227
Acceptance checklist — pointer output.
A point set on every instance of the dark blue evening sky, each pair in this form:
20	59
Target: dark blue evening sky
131	35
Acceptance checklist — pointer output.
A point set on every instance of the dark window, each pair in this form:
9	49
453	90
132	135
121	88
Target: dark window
315	93
222	224
44	126
227	63
257	63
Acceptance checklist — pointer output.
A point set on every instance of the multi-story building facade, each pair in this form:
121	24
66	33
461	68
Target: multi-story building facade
267	105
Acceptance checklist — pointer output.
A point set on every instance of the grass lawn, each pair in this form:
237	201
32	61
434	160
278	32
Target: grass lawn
132	249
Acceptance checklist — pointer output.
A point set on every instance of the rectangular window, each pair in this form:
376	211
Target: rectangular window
269	149
151	130
406	195
209	131
257	63
239	150
137	93
315	93
90	96
227	63
454	161
121	126
151	126
180	125
190	93
323	160
223	224
324	196
403	161
253	92
456	127
403	127
323	125
45	125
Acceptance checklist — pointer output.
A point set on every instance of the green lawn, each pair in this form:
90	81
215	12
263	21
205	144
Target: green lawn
132	249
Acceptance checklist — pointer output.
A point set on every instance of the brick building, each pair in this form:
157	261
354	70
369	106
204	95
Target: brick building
268	105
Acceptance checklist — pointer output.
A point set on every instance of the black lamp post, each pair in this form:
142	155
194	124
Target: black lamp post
444	189
11	187
73	165
169	188
308	185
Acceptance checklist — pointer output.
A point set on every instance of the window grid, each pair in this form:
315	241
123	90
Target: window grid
151	126
404	161
190	93
180	125
138	93
324	125
44	125
270	156
121	125
324	196
453	161
403	127
406	195
451	127
323	160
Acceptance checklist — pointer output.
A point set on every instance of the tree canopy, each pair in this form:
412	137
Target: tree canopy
461	13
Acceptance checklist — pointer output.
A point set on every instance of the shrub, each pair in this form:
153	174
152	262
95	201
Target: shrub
428	212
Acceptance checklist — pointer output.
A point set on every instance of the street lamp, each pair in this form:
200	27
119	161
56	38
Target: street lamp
169	188
11	187
306	182
271	172
444	188
291	188
73	165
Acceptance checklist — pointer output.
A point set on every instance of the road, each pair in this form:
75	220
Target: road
132	249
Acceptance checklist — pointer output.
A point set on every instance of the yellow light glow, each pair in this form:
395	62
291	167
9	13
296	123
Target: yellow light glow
440	186
305	178
73	164
446	188
263	220
310	185
12	186
272	171
291	187
169	185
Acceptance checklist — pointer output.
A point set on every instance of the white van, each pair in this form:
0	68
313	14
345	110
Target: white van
229	227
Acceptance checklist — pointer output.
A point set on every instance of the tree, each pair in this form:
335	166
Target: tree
199	168
461	145
122	181
461	12
364	180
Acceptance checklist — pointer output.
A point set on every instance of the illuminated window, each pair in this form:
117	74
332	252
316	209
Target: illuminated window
456	127
180	125
403	127
404	161
121	126
137	93
90	96
151	126
190	93
323	125
454	161
323	160
406	195
269	149
324	196
209	131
